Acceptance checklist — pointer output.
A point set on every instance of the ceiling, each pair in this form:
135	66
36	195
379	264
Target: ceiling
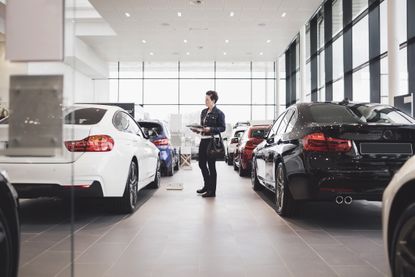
116	37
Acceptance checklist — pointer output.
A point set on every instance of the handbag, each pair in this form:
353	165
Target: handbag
216	148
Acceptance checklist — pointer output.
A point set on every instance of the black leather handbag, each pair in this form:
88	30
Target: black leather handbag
216	149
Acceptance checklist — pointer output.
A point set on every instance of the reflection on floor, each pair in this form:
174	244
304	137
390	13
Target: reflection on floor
177	233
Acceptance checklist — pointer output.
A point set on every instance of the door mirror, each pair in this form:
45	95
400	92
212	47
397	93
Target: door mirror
270	140
235	140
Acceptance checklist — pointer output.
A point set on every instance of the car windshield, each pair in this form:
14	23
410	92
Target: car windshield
258	133
85	116
358	113
152	129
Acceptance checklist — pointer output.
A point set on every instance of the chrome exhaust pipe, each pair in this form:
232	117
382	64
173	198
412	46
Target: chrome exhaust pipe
339	200
348	200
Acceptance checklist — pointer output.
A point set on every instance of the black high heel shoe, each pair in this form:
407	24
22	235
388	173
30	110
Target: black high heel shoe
202	190
208	194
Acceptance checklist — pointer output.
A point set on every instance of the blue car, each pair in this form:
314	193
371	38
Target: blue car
159	135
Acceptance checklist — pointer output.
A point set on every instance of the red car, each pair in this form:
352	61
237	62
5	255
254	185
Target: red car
243	154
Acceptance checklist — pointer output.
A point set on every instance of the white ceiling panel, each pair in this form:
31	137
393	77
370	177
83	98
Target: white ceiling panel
205	27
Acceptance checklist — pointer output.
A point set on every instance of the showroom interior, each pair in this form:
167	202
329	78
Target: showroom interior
103	122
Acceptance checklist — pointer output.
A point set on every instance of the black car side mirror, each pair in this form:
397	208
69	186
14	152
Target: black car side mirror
235	140
146	135
270	140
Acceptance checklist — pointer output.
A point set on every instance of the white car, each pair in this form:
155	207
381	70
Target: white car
237	133
105	154
398	219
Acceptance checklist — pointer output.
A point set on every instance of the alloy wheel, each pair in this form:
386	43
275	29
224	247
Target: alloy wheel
133	185
405	250
5	248
279	189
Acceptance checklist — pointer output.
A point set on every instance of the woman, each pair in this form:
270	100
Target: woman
213	121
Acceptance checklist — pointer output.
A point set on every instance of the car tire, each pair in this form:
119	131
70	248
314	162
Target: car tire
170	170
285	205
256	186
156	183
241	171
6	248
229	160
403	244
176	167
128	202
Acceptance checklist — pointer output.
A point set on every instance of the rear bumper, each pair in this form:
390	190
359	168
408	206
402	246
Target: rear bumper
326	185
55	190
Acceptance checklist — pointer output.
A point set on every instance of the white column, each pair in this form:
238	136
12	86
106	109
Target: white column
277	87
303	53
393	50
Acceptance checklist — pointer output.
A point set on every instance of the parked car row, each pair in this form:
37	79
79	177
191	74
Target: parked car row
342	152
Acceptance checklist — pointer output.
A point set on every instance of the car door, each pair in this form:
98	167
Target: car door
143	149
273	148
262	148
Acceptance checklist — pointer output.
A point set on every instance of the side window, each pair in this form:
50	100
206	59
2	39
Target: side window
132	126
274	129
292	122
120	121
284	122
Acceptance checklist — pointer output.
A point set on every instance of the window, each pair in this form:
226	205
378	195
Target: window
361	42
161	70
358	6
131	91
131	70
87	116
292	122
277	123
120	121
197	70
194	91
161	91
132	126
234	91
284	122
233	70
337	16
338	58
361	85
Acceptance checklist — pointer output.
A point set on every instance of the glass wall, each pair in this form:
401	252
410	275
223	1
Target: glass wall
246	89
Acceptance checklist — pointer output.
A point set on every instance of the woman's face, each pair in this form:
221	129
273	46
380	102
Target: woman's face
209	102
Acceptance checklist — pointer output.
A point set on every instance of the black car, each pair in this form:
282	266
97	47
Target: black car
332	151
159	135
9	229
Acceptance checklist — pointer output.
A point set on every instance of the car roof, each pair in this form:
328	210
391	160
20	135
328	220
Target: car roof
104	107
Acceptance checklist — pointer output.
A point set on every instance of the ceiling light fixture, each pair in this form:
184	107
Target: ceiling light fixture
283	14
144	41
226	40
185	41
127	14
261	53
224	53
231	14
151	54
269	41
179	14
188	53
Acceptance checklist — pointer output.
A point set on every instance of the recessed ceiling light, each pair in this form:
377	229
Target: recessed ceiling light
127	14
268	41
185	41
188	53
151	54
226	40
144	41
260	53
224	53
283	14
231	14
179	14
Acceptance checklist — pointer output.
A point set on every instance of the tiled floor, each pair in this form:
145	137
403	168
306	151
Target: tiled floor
177	233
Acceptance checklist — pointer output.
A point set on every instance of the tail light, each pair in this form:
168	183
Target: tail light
98	143
318	142
161	142
250	145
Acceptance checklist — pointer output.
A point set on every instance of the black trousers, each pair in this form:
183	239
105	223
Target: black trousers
209	174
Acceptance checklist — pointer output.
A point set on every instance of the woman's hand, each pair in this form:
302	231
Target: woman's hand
206	130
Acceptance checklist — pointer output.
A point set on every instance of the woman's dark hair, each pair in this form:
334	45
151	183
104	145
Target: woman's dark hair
213	95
